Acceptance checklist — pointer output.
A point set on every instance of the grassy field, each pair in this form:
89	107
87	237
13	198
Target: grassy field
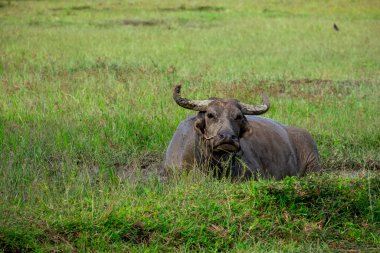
86	114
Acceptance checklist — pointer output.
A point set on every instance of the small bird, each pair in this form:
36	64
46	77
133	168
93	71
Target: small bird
336	28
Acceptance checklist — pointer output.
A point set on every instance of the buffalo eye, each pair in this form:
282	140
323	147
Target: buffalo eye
210	115
238	117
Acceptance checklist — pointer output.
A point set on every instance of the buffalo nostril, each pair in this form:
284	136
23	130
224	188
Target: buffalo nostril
227	136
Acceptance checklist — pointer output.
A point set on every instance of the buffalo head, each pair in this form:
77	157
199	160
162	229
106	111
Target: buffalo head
220	122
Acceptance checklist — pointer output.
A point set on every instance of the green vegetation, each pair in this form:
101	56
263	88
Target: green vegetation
86	113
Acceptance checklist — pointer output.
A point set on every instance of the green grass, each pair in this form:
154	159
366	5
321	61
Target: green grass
196	213
85	99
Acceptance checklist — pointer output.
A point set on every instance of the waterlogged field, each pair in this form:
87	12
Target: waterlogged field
86	114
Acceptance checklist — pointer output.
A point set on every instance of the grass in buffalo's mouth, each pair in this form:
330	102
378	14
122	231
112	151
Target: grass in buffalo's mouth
86	114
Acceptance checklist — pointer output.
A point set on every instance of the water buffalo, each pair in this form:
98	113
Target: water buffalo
226	137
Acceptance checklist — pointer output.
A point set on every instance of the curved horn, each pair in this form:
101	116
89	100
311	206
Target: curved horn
256	109
196	105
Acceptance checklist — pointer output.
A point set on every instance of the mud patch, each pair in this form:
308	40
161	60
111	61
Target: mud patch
205	8
310	89
341	164
134	22
138	234
142	168
309	81
304	88
80	8
3	4
73	8
151	166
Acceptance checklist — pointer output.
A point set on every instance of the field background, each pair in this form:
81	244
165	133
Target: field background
86	114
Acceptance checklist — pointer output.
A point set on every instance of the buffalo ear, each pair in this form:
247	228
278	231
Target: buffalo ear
199	125
245	128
